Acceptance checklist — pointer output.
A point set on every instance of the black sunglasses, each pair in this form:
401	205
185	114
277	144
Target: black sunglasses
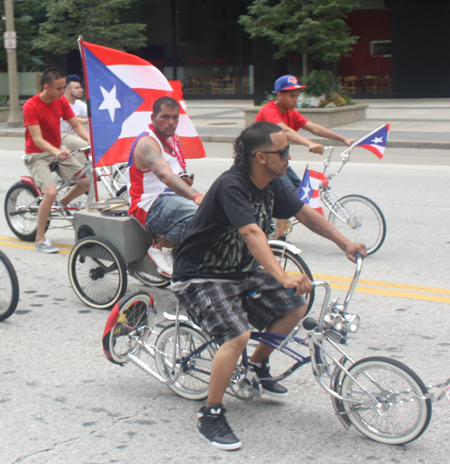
284	152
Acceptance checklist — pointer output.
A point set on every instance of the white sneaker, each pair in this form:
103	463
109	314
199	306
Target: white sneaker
46	247
163	259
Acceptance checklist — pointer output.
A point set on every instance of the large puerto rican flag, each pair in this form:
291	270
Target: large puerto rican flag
121	89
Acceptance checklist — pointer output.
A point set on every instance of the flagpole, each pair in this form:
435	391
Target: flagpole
362	138
88	102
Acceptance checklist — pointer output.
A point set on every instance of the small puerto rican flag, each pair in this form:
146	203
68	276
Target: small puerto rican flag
375	141
309	191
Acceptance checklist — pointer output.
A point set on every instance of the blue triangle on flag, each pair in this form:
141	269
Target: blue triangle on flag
305	191
117	100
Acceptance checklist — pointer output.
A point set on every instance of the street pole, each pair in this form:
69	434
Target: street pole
15	118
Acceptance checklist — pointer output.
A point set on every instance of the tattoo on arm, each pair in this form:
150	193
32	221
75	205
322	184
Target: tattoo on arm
151	158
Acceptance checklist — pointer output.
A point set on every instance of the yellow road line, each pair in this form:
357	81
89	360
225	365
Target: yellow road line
395	293
13	239
364	285
377	283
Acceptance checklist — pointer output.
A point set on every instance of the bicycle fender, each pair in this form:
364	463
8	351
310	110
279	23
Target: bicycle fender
280	244
30	182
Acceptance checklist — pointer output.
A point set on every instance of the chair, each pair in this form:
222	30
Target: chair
231	86
371	84
351	84
216	86
188	86
385	84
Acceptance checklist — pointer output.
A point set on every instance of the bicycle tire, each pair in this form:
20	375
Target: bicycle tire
22	225
293	264
190	384
97	273
9	288
133	311
382	422
151	280
371	224
122	192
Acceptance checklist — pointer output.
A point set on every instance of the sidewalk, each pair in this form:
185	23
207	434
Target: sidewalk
418	123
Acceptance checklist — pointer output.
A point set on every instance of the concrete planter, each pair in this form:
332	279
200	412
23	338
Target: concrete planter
328	117
4	113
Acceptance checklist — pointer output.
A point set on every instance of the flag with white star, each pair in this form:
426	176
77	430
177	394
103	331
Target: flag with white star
121	89
309	191
375	141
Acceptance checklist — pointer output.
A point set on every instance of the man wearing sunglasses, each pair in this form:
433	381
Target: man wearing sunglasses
225	254
282	112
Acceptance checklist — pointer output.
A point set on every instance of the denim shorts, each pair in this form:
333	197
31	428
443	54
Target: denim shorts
170	215
291	181
220	310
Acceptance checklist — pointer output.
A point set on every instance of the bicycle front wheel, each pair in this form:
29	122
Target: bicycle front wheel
192	382
21	219
132	315
294	265
392	410
97	273
360	220
9	288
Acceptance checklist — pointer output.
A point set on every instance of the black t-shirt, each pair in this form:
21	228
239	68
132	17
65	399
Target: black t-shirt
212	247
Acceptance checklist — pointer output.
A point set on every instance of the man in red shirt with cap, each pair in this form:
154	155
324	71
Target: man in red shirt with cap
282	112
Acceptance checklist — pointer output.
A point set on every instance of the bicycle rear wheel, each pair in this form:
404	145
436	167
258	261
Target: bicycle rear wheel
360	220
22	220
97	273
400	414
170	350
9	288
293	265
133	314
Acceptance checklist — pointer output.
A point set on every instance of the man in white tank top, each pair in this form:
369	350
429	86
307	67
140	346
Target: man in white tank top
69	138
161	196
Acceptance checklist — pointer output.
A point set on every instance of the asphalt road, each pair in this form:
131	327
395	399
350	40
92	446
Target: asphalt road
61	401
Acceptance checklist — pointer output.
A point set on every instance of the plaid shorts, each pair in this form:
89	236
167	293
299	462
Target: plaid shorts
220	310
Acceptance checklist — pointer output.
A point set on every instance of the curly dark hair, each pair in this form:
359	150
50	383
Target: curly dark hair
251	140
50	75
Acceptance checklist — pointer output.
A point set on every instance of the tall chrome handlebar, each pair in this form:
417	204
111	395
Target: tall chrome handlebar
326	300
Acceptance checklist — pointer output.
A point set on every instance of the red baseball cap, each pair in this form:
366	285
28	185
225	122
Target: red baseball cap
287	83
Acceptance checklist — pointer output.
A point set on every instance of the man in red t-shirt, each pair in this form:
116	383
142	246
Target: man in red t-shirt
282	112
42	115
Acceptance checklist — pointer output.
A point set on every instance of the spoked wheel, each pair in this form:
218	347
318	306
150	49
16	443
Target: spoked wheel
149	279
97	273
193	381
21	218
131	318
293	265
360	220
9	288
393	410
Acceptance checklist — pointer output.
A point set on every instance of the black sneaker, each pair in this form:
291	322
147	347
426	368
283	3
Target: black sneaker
213	427
270	387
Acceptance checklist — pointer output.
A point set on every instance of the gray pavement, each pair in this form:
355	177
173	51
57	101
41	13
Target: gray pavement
62	402
415	123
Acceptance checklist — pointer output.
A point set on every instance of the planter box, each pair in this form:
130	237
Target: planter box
4	113
328	117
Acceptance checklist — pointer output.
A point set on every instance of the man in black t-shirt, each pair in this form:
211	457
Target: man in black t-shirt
220	260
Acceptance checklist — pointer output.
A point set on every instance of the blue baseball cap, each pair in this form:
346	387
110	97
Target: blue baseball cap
287	83
73	78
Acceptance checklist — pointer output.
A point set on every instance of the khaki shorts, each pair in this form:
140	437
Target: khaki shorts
39	166
73	142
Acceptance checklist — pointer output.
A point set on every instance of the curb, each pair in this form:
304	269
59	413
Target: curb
391	143
425	144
